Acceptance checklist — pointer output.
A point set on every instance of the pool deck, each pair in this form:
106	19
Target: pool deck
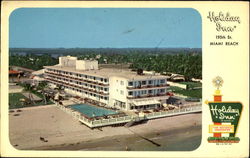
95	122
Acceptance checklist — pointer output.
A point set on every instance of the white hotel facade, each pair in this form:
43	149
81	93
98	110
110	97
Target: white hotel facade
117	88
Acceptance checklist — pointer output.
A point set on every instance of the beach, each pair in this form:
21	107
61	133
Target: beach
62	132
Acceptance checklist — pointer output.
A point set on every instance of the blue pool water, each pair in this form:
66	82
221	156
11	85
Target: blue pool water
91	111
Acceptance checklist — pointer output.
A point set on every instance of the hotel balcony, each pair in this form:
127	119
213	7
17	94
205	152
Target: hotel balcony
147	96
79	80
78	87
146	86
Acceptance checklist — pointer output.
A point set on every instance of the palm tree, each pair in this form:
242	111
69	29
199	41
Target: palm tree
59	90
28	87
41	86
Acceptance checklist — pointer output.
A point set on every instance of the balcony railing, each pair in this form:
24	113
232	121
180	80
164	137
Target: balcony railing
147	96
78	79
78	87
146	87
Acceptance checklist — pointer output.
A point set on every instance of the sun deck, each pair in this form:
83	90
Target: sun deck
137	116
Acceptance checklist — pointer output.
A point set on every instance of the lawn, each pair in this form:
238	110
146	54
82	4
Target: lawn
194	93
14	101
192	84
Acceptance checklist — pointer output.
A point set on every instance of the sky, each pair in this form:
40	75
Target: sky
105	28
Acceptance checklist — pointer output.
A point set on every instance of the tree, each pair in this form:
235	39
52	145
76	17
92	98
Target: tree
28	87
41	86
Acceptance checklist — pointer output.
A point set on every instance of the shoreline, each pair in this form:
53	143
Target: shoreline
125	141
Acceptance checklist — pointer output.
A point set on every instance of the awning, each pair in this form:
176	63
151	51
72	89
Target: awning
145	102
14	72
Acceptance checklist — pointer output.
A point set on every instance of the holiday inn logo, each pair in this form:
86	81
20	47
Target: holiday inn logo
225	116
225	113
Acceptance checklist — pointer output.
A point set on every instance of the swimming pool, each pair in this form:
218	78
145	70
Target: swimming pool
91	111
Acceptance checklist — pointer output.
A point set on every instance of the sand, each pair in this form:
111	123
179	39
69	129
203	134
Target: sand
62	132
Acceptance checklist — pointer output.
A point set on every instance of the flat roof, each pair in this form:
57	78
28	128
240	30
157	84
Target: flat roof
109	72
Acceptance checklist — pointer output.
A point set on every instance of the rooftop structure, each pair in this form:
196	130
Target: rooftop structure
117	88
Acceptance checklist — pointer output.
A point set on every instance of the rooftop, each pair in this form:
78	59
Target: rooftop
109	72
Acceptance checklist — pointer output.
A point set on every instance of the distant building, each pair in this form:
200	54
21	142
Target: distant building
117	88
174	77
15	73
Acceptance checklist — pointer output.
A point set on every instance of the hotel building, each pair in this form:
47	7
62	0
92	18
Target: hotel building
117	88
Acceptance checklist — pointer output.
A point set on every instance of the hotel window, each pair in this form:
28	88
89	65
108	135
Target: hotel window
162	90
157	82
105	89
154	82
130	93
105	98
101	79
150	91
162	81
101	97
94	78
130	83
121	92
105	80
155	91
150	82
138	93
143	82
121	82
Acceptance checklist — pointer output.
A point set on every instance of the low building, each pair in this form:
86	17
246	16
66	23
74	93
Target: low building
116	88
37	76
15	73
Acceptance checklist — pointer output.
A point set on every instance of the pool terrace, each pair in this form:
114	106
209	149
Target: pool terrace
111	118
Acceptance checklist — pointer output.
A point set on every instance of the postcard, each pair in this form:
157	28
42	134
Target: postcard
124	79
